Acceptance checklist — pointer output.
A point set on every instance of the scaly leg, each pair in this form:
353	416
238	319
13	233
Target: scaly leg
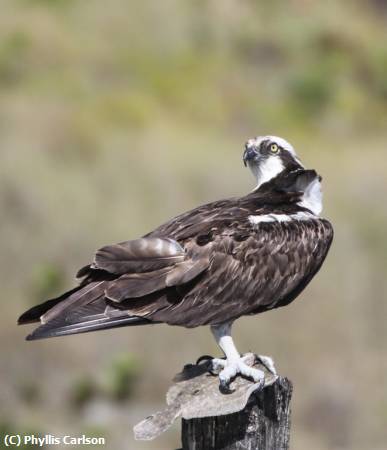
235	363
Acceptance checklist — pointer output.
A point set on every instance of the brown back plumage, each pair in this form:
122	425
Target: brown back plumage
206	266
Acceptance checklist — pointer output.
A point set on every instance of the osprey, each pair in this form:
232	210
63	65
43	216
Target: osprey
208	266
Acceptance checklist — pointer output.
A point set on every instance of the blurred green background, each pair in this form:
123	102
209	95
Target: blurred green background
116	116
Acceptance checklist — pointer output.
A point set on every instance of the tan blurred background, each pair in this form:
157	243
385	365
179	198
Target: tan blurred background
116	116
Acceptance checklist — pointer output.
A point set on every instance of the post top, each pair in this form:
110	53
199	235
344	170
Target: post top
195	394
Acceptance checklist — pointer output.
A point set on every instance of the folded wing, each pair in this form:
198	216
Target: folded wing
120	272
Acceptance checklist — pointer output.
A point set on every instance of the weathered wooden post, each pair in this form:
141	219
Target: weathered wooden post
264	424
248	418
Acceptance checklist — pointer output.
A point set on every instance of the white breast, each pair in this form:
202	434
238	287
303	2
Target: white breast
312	197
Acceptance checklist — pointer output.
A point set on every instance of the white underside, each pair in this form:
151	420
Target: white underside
312	198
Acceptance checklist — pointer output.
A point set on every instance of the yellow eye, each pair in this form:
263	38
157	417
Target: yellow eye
274	148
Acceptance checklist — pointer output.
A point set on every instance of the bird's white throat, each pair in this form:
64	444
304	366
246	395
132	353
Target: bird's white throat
267	170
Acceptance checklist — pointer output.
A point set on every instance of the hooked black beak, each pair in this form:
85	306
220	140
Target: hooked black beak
250	153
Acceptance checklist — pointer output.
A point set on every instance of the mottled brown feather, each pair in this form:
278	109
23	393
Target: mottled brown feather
206	266
140	255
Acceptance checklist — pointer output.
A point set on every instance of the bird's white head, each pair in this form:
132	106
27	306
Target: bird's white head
268	156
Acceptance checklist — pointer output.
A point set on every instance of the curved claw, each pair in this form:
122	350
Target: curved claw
207	358
227	371
224	386
267	362
204	358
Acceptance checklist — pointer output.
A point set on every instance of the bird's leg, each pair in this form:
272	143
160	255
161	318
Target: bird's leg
234	364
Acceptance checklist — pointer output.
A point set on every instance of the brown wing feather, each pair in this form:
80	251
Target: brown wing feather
186	271
85	295
140	255
265	271
137	285
226	269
